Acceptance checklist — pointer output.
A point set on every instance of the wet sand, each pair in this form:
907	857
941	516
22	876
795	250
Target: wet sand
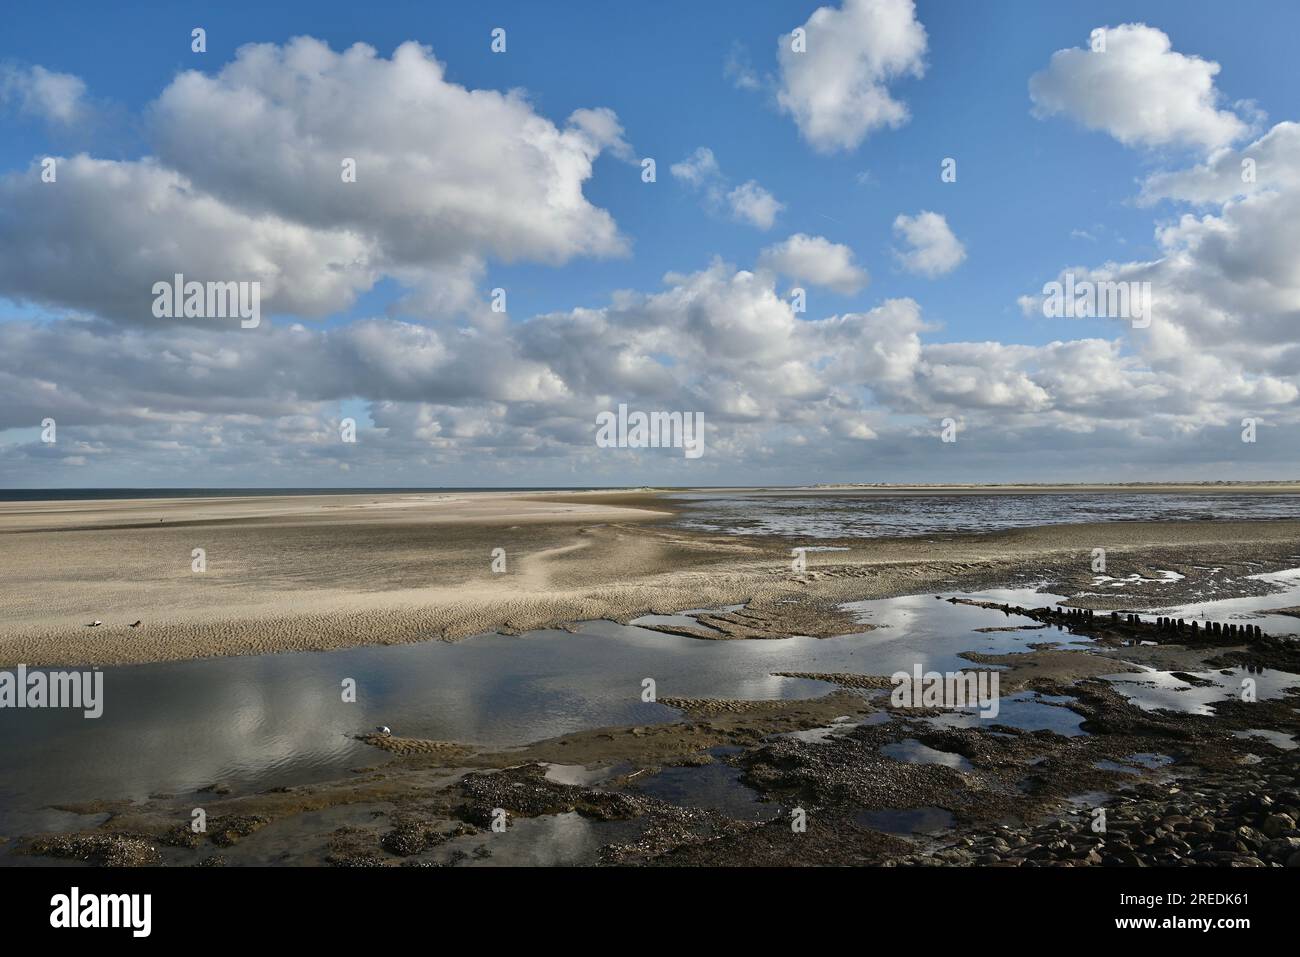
1223	792
299	573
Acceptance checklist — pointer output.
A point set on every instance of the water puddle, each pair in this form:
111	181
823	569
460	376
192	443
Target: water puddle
935	632
1154	690
1115	766
907	821
583	776
265	721
1150	760
1089	799
300	838
1278	739
552	840
1027	711
912	751
1112	584
839	726
713	786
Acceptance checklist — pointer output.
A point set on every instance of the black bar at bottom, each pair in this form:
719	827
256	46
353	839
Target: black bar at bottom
303	906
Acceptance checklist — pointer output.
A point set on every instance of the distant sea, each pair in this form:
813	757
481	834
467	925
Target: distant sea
898	515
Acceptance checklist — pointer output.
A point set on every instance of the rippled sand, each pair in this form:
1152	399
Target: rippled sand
295	573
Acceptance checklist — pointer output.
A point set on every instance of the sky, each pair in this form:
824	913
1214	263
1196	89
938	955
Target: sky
840	263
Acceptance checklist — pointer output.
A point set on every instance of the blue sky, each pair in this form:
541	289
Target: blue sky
1034	195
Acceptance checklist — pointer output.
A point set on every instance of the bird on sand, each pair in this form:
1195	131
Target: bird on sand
95	624
136	624
384	729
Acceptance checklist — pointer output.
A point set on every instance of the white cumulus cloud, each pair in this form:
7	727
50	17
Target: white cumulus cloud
932	250
747	203
244	182
837	90
752	204
815	260
1139	90
56	97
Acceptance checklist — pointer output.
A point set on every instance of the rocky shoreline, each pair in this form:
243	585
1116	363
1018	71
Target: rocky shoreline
1242	818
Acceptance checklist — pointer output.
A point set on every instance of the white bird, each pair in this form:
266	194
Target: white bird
384	729
95	624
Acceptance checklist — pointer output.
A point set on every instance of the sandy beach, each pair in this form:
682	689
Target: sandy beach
316	572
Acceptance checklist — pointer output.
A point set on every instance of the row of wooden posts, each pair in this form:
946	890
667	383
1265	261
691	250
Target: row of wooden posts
1212	629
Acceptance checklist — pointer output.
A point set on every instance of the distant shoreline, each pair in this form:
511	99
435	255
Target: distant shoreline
117	494
1264	487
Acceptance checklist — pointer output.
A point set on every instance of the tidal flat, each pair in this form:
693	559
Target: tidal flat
522	729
